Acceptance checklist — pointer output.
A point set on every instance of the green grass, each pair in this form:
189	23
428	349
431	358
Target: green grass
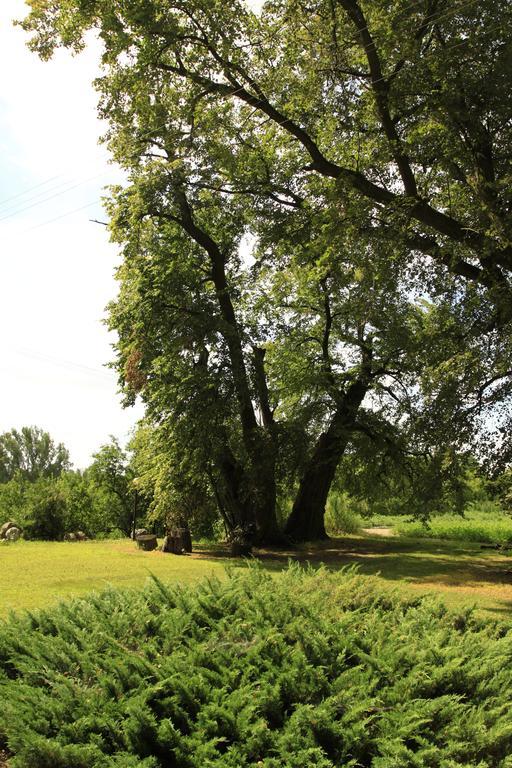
37	573
311	669
477	525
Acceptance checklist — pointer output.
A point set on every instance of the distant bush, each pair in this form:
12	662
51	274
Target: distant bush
47	508
343	514
309	669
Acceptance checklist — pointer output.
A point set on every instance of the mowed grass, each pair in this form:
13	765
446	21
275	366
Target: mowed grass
34	574
38	574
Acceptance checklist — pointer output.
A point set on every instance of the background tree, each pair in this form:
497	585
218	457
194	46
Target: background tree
112	474
32	453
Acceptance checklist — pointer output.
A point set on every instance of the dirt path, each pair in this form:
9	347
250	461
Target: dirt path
380	530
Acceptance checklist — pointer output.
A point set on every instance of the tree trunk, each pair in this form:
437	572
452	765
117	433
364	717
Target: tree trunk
306	521
258	481
263	487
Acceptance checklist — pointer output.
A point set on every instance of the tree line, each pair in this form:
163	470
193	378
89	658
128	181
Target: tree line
47	499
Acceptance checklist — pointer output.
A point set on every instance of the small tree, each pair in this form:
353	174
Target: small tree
45	510
112	474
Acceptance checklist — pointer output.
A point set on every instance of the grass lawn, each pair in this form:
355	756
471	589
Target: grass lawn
36	574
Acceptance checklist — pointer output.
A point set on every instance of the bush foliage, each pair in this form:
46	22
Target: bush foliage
310	668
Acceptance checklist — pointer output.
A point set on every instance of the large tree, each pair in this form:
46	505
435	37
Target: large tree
362	149
407	105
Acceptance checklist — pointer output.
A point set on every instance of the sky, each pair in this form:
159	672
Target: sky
56	266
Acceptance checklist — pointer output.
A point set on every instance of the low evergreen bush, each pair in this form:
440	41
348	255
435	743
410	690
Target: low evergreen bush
307	669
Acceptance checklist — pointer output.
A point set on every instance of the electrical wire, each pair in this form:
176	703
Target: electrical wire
235	92
53	196
68	364
62	216
30	189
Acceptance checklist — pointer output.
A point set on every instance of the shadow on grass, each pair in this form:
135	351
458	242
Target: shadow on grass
478	575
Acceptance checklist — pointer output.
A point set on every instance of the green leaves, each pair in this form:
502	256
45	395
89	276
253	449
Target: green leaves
327	183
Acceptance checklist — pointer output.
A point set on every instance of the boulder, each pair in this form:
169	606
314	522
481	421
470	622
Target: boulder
147	542
13	534
5	527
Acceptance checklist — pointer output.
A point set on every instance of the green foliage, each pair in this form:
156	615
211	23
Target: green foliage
310	669
173	481
112	476
45	510
372	180
343	514
485	523
99	500
383	481
500	488
31	453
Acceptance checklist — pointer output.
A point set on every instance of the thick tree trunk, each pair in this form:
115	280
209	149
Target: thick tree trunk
263	486
258	483
306	522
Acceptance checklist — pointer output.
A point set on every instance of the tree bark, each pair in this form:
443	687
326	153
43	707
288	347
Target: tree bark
259	478
306	521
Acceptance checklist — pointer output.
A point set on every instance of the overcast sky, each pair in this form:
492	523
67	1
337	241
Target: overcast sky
56	266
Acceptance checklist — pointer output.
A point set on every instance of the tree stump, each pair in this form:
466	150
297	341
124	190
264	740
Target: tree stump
186	538
173	544
147	542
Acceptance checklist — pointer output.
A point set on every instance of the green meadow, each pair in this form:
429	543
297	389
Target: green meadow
38	574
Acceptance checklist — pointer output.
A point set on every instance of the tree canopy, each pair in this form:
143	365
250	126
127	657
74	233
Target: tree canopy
32	453
315	230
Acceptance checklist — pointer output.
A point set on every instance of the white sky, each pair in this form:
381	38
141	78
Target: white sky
56	267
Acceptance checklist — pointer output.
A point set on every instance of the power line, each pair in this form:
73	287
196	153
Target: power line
52	197
63	216
69	364
45	194
30	189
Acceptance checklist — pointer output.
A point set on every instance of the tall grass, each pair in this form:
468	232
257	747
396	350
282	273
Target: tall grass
343	514
484	523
